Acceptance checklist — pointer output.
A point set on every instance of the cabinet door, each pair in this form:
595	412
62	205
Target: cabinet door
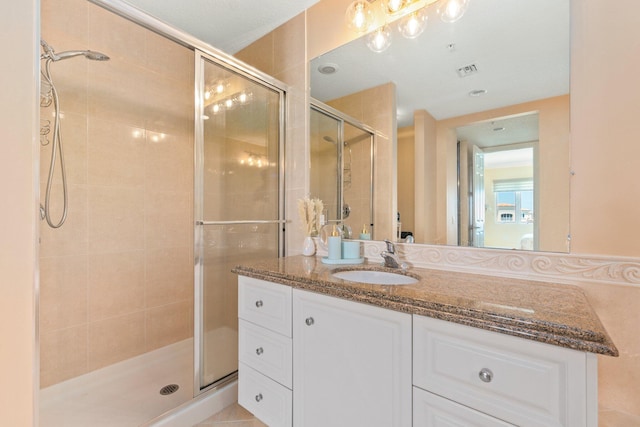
430	410
351	363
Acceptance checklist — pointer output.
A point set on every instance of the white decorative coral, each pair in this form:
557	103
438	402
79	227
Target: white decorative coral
309	211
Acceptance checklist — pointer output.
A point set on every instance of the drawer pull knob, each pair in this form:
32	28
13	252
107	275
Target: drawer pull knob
258	397
259	351
485	375
259	303
309	321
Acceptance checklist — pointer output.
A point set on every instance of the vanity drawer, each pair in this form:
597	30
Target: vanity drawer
514	379
269	401
266	304
430	410
267	352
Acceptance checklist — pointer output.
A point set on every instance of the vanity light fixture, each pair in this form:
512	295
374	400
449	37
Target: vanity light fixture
375	16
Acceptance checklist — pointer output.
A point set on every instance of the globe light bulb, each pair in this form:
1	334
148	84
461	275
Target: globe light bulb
359	16
412	25
394	6
452	10
380	39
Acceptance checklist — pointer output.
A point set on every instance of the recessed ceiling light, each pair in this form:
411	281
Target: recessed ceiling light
328	68
477	92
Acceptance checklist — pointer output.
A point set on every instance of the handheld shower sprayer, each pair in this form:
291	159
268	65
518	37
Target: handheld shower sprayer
49	95
49	53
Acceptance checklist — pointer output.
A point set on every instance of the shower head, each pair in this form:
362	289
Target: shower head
49	53
89	54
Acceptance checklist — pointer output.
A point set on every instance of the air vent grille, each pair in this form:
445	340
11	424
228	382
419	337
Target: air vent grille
467	70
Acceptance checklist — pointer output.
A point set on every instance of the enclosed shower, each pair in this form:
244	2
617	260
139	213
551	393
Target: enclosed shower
150	178
342	159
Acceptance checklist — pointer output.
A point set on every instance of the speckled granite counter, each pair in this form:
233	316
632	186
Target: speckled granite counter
554	314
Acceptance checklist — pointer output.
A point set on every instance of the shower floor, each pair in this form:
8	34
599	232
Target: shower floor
124	394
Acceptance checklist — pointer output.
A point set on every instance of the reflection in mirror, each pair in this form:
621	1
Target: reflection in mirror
342	169
518	53
497	183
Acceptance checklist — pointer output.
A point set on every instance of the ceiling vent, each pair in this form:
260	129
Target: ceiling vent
467	70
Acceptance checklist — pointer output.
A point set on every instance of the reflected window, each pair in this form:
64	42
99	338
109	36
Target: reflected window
514	200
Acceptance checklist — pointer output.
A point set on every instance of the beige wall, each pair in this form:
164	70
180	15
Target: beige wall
117	277
604	112
18	224
604	191
282	54
375	107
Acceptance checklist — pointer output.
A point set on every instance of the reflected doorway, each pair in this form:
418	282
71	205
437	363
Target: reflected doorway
497	184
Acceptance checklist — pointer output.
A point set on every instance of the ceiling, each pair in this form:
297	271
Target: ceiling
228	25
520	49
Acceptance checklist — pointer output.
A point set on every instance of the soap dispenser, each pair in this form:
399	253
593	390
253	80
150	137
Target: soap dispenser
335	244
364	234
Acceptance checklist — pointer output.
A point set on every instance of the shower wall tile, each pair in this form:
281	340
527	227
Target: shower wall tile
63	279
123	41
169	59
116	92
73	131
168	162
116	219
116	284
71	238
168	276
115	339
63	354
168	220
168	324
70	79
115	155
65	21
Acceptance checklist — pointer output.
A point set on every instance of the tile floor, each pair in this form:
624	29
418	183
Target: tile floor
232	416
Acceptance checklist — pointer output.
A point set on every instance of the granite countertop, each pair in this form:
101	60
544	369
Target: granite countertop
554	314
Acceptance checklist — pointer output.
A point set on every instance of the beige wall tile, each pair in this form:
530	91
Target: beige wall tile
168	220
116	219
168	324
169	276
63	354
116	284
115	339
63	279
71	238
65	18
115	155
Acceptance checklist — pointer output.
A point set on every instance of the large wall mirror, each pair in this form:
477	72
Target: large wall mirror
480	123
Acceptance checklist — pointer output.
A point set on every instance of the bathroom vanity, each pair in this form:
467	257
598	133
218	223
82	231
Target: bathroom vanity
450	349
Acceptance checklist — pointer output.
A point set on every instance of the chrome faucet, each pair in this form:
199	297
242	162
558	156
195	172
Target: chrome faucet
390	257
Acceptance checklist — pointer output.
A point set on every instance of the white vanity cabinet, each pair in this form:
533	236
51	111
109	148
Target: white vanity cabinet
312	360
517	381
352	363
265	350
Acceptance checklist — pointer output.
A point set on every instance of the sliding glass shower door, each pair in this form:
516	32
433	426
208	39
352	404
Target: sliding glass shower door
238	206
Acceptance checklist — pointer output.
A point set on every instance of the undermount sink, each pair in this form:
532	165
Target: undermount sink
375	277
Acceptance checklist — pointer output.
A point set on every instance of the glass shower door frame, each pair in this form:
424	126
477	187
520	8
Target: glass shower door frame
199	223
342	118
